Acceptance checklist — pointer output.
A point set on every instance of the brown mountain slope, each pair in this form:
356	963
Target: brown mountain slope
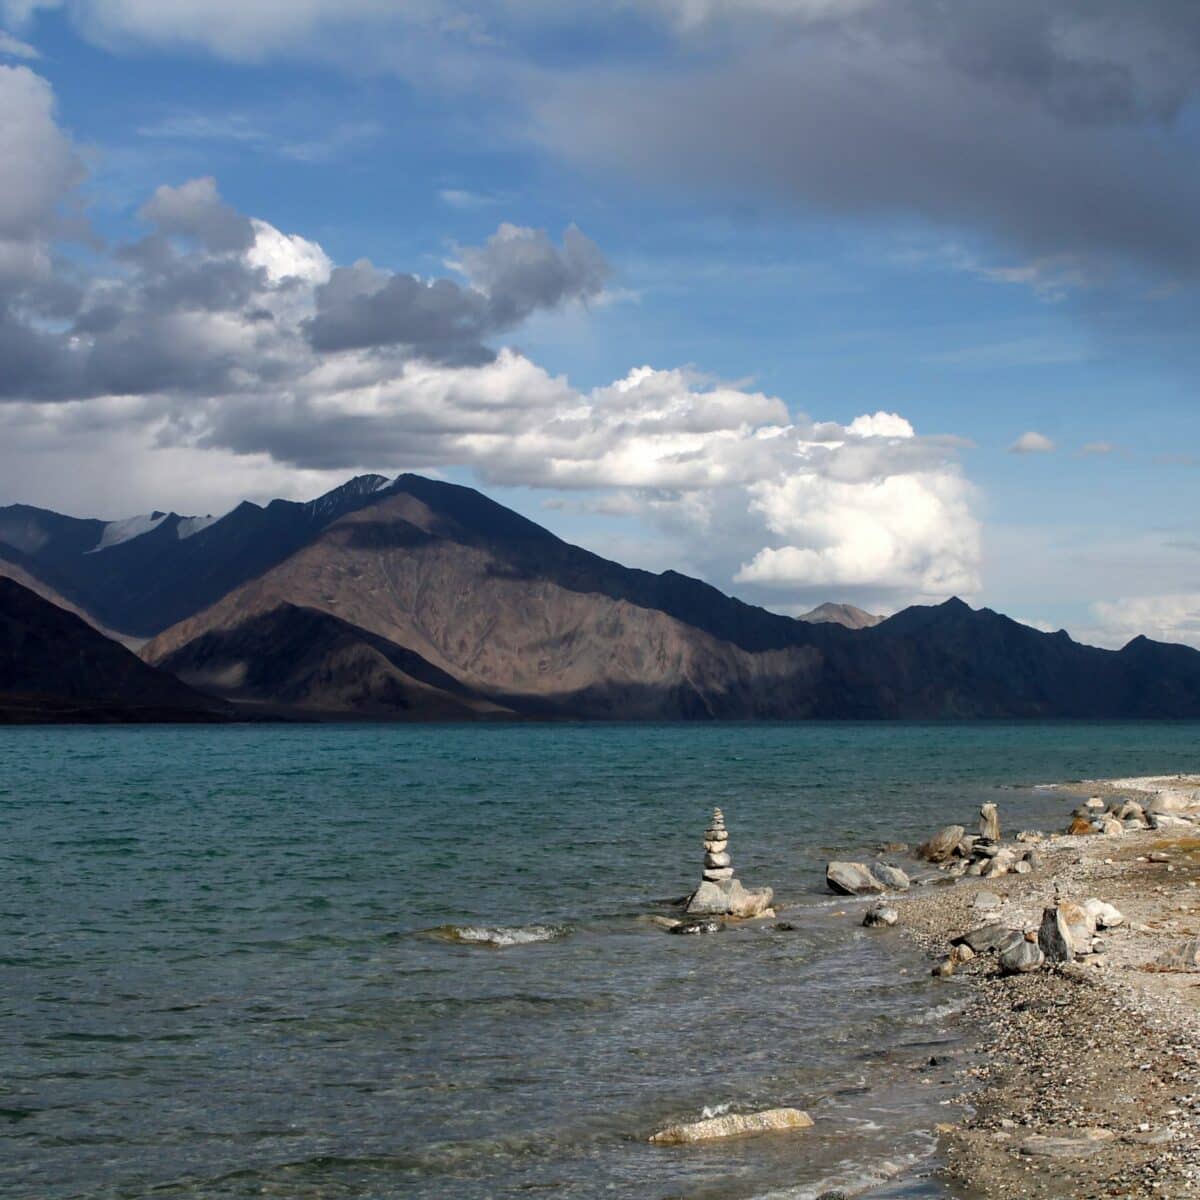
300	658
56	667
841	614
479	608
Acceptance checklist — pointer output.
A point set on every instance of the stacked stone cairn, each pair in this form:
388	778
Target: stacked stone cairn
720	894
959	853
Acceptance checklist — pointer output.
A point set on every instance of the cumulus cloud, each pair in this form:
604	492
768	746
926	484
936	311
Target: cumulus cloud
1174	617
1031	442
218	334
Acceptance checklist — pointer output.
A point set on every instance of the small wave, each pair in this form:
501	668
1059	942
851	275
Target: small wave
498	936
714	1110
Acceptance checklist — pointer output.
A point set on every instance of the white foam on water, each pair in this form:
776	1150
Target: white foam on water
854	1179
501	935
714	1110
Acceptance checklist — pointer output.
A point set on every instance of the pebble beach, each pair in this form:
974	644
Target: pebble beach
1083	1077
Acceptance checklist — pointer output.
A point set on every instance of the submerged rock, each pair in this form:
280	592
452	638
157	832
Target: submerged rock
701	926
851	879
728	898
733	1125
880	915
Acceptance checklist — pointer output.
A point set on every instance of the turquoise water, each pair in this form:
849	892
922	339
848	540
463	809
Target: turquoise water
227	965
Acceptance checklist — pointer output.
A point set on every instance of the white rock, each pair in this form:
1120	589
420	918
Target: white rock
733	1125
1106	916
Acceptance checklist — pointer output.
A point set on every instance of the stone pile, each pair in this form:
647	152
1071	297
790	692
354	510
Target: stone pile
721	894
960	853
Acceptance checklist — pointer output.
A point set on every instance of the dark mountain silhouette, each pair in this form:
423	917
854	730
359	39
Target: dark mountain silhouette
517	616
56	667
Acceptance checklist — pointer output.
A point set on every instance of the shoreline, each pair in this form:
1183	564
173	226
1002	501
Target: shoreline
1083	1079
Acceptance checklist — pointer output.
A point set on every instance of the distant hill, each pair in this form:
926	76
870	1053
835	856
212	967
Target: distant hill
55	667
841	614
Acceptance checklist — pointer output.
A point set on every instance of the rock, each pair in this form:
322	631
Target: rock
1169	802
716	874
784	927
667	923
976	868
1111	827
942	844
987	937
851	879
1021	957
1089	1141
961	954
879	916
1104	916
733	1125
1080	826
1184	957
1030	835
1094	802
1081	925
715	859
966	845
893	848
891	877
703	926
985	848
716	847
1022	867
989	822
943	970
727	897
1000	864
1131	810
1035	859
986	900
1168	823
1157	856
1054	937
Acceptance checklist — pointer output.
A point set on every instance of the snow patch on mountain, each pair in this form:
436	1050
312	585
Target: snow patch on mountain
116	532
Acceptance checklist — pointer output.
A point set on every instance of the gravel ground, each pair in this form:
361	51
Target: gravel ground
1085	1078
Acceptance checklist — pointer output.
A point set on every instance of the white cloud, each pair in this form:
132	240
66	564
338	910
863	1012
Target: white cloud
196	346
1031	442
12	47
1097	448
1168	618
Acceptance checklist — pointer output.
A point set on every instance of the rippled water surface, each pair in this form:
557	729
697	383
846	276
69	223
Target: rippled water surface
380	961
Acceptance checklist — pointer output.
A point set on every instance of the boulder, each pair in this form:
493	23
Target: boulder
1000	864
1094	802
961	954
728	898
985	900
1169	802
1054	937
891	877
1104	916
717	858
944	969
1169	823
1030	835
1131	810
880	916
1022	867
987	937
1184	957
1021	957
941	846
989	822
851	879
1081	925
893	847
1035	859
1080	826
1111	827
733	1125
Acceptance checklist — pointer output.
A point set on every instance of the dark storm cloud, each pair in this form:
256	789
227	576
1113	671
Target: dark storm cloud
1054	128
516	272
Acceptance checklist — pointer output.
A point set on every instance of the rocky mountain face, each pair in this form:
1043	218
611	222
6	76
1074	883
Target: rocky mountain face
55	667
422	599
841	614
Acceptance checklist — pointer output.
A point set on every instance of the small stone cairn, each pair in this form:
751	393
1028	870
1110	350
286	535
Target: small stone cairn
720	894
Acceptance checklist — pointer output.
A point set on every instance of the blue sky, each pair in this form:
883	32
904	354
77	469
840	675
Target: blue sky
978	222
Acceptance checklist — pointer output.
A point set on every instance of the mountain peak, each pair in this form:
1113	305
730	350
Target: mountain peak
831	613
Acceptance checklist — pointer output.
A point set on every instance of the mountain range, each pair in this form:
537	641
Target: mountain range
419	599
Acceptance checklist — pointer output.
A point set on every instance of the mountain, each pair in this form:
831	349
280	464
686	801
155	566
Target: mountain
145	573
291	658
56	667
841	614
539	627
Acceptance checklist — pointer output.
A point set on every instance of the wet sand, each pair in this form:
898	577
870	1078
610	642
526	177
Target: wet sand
1084	1080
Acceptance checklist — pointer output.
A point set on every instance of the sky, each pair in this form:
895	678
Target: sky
878	301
